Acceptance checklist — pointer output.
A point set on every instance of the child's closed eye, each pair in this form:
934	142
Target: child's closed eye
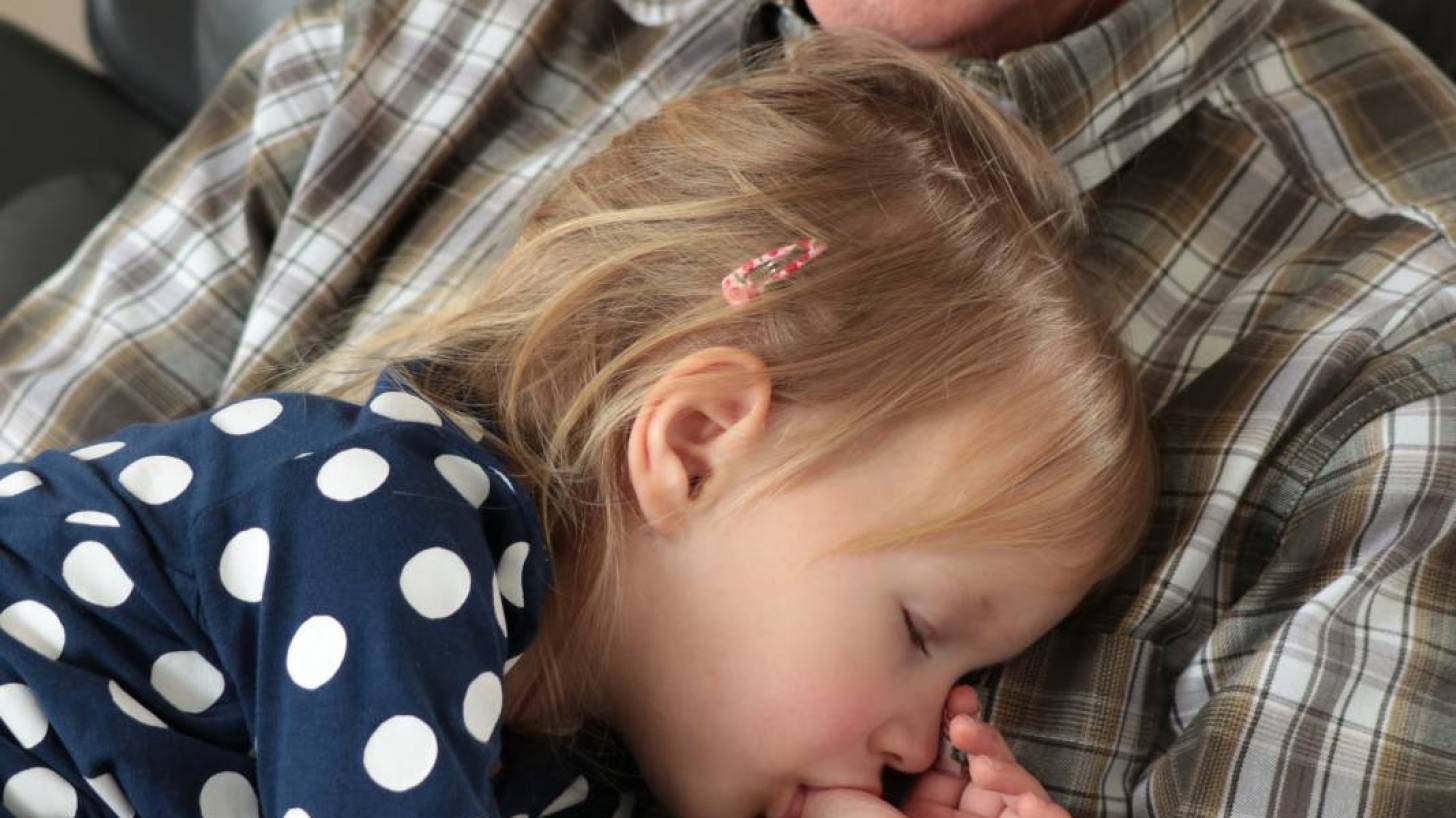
916	637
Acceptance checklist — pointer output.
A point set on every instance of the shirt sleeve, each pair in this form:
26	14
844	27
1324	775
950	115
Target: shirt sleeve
368	600
139	324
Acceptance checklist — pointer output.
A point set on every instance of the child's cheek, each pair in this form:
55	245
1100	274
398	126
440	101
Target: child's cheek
820	714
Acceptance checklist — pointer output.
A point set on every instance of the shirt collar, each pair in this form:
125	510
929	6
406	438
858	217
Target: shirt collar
771	21
663	12
1099	95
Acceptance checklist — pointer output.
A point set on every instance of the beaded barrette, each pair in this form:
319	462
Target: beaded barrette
748	281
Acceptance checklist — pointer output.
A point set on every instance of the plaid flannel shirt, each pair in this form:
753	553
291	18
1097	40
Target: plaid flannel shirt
1273	176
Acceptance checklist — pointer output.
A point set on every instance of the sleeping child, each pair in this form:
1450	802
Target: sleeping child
787	410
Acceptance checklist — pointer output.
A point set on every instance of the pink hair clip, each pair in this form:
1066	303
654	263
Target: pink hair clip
780	263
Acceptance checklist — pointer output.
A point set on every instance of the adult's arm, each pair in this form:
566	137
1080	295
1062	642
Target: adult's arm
255	235
141	322
1324	690
362	160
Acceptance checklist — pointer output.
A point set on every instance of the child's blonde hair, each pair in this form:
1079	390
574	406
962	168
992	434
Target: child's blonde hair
948	277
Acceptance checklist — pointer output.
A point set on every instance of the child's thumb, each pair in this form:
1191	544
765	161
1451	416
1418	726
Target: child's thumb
842	802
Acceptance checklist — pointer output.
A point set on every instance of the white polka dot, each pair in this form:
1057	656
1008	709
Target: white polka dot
404	406
39	792
510	663
512	566
92	573
105	786
435	582
16	482
247	416
626	805
351	474
316	651
569	797
130	706
504	479
500	611
35	626
187	680
228	795
157	478
244	564
296	812
98	450
483	700
22	714
400	753
100	518
466	476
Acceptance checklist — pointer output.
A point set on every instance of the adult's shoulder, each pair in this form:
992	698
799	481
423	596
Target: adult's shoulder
1353	109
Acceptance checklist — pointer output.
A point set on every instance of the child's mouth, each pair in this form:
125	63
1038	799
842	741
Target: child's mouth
796	804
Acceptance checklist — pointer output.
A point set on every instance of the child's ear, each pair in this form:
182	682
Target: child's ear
687	432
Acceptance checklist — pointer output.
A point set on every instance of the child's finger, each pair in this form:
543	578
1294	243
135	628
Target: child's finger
936	787
920	809
1000	775
963	699
981	801
1029	806
977	738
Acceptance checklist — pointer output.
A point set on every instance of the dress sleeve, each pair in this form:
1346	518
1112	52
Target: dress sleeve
368	600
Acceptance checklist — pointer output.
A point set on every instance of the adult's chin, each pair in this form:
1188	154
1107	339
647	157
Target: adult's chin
930	26
971	28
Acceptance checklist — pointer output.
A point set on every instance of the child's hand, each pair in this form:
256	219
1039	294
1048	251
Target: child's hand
999	786
935	794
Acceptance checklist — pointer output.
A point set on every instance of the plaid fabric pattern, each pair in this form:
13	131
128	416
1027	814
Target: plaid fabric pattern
1273	178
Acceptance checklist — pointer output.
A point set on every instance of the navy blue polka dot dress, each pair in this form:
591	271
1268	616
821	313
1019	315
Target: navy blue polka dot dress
289	606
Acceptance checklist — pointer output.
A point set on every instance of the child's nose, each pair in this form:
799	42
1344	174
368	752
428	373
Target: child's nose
910	743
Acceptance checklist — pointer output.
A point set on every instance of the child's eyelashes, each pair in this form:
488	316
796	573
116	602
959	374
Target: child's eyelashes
916	637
